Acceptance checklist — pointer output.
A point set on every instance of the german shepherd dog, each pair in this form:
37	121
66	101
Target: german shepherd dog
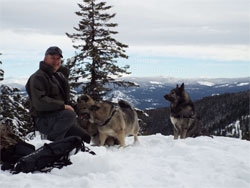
116	121
182	114
84	103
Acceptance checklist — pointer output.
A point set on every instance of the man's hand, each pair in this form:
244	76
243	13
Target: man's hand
68	107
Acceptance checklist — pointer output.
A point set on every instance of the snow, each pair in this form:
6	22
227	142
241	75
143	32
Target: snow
148	100
205	83
236	129
223	85
117	95
242	84
154	82
157	161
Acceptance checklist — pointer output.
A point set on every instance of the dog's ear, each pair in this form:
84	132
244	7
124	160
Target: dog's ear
177	86
166	97
94	108
182	86
84	98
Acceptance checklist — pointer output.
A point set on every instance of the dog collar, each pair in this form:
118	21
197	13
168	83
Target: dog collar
113	111
180	116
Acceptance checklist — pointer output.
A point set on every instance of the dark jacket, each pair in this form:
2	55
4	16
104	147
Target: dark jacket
48	91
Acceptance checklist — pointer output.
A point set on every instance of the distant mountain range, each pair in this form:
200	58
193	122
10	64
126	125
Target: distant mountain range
152	89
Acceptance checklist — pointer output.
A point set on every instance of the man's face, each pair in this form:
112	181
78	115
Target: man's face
54	61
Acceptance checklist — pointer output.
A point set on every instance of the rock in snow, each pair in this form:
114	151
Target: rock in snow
157	161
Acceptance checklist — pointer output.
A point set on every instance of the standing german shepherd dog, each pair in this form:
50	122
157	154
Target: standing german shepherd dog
182	114
115	121
84	103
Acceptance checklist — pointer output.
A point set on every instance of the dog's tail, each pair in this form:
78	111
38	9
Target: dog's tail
124	104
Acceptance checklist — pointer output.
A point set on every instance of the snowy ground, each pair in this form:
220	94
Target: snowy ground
157	162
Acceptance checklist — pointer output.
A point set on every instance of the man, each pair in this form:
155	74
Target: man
48	90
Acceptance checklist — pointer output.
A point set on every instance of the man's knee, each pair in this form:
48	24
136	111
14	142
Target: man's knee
68	114
55	127
78	131
62	124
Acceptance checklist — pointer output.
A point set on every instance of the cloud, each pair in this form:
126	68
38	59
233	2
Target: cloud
40	16
212	52
168	22
141	22
33	46
199	29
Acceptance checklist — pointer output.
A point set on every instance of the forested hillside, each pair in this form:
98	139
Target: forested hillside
222	115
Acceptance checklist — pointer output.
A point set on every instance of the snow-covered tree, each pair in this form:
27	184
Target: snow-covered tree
1	78
98	50
14	113
75	73
1	71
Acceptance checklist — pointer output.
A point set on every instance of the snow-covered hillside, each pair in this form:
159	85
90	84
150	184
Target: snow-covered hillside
157	162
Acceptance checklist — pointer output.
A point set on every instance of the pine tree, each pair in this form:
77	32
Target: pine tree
97	50
75	73
14	114
1	78
1	71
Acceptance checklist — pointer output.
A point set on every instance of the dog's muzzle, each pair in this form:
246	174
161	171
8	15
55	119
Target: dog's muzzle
84	116
168	97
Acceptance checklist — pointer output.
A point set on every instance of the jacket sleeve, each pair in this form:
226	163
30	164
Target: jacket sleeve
40	100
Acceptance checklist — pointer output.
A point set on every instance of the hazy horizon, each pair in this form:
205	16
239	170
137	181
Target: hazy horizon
22	81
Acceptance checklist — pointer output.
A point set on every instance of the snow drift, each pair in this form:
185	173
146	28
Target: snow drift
157	161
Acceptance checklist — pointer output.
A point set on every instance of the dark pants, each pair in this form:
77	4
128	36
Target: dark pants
58	125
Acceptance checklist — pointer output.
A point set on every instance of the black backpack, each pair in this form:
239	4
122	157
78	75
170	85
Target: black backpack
49	156
9	156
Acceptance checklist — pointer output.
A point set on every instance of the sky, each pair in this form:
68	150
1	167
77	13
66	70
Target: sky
177	38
